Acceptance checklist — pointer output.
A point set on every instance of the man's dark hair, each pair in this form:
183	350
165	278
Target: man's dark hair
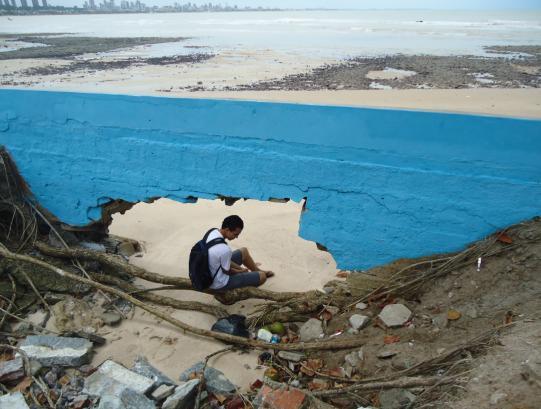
232	223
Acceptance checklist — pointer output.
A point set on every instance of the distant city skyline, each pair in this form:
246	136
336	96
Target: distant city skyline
351	4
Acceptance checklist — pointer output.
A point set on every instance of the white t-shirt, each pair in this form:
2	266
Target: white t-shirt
219	256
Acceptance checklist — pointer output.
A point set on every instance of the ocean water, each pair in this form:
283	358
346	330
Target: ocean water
325	34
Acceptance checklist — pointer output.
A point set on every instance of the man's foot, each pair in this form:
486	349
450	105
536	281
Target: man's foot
269	273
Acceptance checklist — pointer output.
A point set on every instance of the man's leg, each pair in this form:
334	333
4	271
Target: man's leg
251	265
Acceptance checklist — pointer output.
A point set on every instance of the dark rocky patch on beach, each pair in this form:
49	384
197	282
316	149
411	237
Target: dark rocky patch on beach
520	67
68	47
99	65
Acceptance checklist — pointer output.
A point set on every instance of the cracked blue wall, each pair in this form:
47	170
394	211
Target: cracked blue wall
381	184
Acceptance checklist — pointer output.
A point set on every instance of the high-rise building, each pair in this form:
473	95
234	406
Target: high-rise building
24	4
13	4
35	4
92	4
44	3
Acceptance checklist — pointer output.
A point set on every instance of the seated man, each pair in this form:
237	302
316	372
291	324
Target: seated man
227	264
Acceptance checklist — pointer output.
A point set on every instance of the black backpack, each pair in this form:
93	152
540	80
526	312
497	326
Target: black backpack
200	274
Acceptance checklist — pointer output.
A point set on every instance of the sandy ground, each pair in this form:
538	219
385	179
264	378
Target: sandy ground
168	230
524	103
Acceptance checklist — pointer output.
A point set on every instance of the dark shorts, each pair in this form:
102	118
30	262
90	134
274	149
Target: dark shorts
250	279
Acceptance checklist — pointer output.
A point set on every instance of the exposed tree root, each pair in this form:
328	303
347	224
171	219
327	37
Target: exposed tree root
119	264
406	382
333	344
216	311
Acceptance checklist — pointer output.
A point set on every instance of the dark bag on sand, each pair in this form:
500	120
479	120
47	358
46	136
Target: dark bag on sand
200	274
233	325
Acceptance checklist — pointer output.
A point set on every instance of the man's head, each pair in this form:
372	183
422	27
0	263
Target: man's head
232	227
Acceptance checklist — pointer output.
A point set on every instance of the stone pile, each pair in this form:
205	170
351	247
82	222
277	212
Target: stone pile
54	371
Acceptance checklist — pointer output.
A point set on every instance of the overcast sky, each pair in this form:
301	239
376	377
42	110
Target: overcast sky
351	4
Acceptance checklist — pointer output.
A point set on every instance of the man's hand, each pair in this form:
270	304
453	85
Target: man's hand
236	269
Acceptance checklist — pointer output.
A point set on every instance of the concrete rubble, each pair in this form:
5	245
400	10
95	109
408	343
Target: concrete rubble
111	377
396	398
11	370
394	315
183	396
142	367
49	350
291	356
311	329
216	381
162	392
358	321
13	401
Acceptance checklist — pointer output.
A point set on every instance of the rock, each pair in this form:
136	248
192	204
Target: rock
440	321
400	363
126	399
126	248
35	367
183	397
51	377
332	309
386	353
163	391
395	398
358	321
39	318
352	331
73	314
11	370
361	306
13	401
395	315
352	358
111	378
497	397
279	398
143	367
86	369
328	290
80	402
110	318
311	329
291	356
69	238
215	380
100	248
50	350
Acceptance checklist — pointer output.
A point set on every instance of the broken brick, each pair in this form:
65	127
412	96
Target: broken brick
281	398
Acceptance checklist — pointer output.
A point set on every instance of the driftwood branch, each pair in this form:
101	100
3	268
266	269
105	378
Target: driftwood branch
118	263
202	374
216	311
333	344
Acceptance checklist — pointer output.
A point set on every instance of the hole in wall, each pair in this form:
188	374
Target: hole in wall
168	229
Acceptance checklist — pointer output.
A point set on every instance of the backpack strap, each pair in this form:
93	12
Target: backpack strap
212	243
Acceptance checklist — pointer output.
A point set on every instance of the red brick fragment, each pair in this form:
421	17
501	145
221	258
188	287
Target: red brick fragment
281	398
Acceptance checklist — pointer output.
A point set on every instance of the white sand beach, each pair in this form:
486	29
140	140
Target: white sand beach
167	230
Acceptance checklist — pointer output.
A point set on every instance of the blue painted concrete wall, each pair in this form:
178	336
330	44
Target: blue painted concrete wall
381	184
